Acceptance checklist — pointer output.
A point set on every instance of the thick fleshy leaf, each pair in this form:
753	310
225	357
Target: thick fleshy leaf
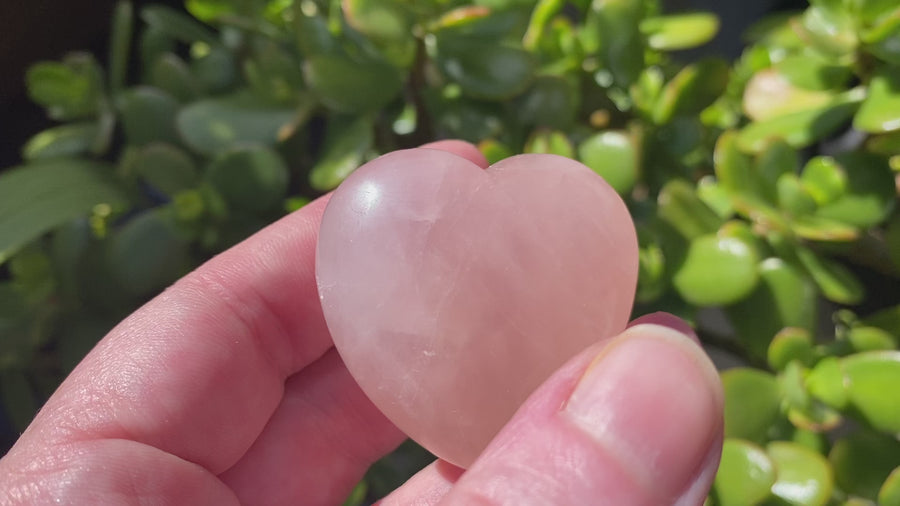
863	338
736	171
717	271
889	495
345	150
752	403
883	39
147	115
746	475
803	477
817	228
36	198
494	151
252	178
216	70
801	128
829	31
177	25
770	94
551	142
172	75
379	19
166	168
694	88
869	194
612	154
793	197
679	205
550	102
68	90
274	73
484	69
789	345
620	42
776	159
121	33
869	379
880	111
826	382
148	253
488	22
350	86
863	461
62	141
680	31
812	73
836	282
213	124
825	179
651	273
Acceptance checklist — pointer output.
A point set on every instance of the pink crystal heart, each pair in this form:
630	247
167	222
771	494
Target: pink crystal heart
452	292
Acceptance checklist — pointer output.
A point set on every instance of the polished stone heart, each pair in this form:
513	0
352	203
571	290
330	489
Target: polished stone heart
452	292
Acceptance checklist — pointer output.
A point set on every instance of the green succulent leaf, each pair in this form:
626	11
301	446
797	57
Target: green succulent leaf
680	31
770	94
694	88
147	115
801	128
709	260
62	141
379	19
863	338
880	111
863	461
836	282
36	198
252	179
350	86
68	90
612	155
148	253
172	75
825	179
868	376
177	25
746	475
484	69
166	168
550	141
752	403
613	29
789	345
829	31
683	210
882	39
210	125
889	495
345	150
120	44
868	196
550	102
803	477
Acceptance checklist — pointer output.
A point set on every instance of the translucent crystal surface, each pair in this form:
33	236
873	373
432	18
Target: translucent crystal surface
452	292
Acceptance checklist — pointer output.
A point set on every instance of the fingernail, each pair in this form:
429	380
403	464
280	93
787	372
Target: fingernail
653	401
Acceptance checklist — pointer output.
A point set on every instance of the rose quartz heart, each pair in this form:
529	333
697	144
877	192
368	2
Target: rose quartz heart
452	292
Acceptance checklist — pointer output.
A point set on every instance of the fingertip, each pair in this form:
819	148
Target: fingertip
667	320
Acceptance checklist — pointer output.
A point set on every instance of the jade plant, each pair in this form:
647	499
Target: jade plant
764	189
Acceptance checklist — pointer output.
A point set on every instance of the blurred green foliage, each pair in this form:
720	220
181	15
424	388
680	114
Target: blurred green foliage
760	187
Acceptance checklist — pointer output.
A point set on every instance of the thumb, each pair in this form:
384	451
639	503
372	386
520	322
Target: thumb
639	422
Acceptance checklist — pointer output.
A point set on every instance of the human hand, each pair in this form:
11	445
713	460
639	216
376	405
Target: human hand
225	389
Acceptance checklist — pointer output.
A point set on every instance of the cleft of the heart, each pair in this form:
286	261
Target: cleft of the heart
452	292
